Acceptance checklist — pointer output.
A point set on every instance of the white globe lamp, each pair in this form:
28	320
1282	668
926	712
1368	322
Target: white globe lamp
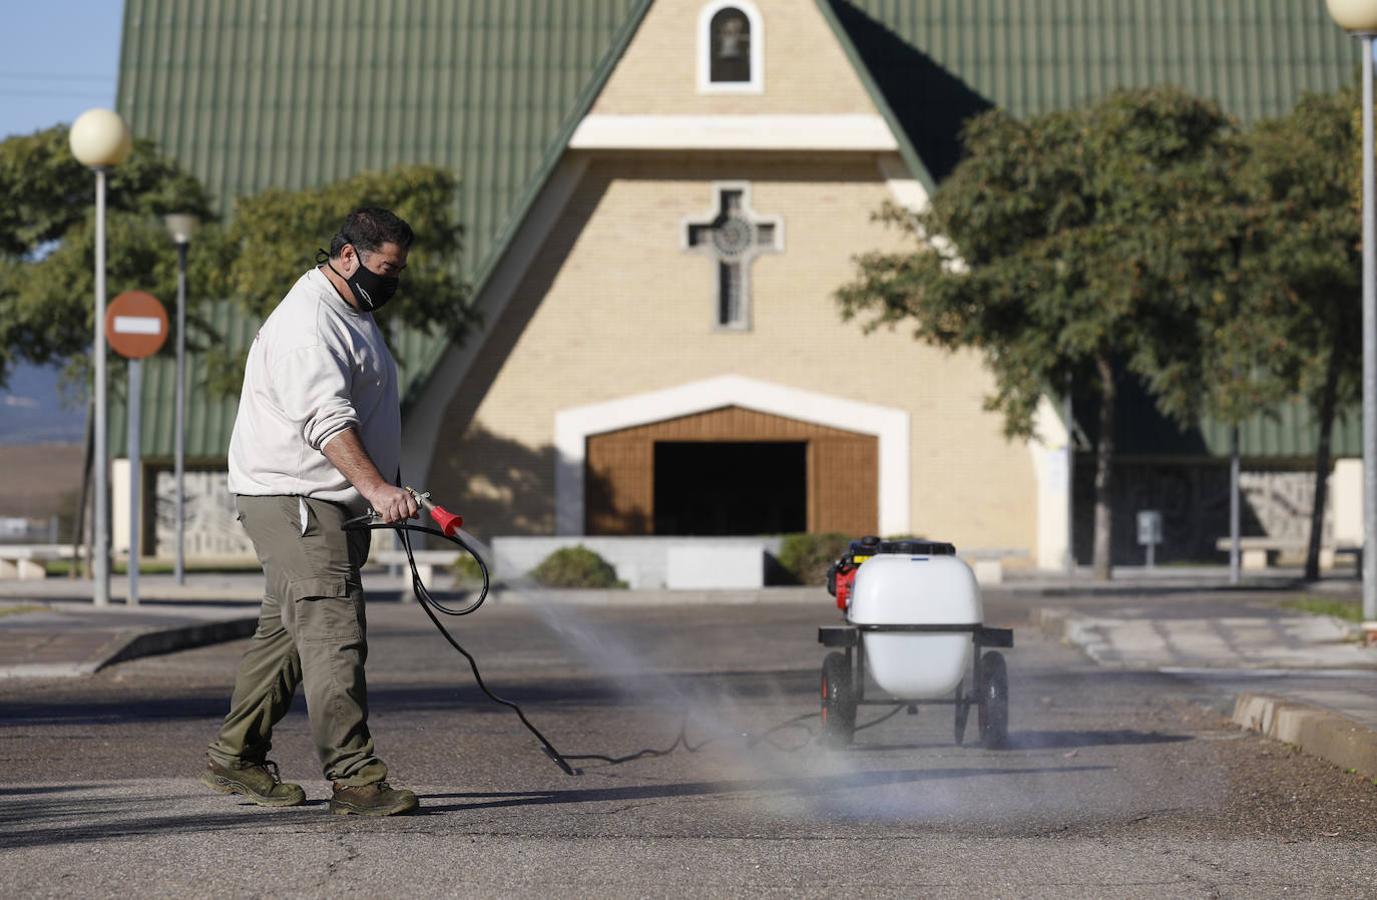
100	139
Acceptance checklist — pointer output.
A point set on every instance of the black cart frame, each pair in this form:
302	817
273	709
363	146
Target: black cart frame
985	688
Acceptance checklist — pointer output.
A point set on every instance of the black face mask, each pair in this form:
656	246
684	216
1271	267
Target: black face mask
370	289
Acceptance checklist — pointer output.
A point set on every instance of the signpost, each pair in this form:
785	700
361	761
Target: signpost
135	326
1150	532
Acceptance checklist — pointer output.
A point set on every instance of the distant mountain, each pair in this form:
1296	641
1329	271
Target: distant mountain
33	411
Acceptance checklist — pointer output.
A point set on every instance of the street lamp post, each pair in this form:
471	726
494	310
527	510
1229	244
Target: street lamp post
100	140
180	226
1359	17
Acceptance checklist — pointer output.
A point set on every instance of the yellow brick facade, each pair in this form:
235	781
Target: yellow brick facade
615	307
806	70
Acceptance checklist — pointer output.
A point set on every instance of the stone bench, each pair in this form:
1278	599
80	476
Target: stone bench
426	562
1257	553
25	562
988	562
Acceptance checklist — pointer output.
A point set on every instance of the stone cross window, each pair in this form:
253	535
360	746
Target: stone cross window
732	236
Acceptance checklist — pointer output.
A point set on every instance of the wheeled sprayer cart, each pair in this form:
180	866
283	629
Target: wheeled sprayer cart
913	626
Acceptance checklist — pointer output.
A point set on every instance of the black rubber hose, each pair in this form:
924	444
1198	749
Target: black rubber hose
430	605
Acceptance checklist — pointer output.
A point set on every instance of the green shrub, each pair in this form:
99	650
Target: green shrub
805	557
576	567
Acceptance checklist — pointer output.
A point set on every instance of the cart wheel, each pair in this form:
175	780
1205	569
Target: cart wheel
994	701
838	702
963	712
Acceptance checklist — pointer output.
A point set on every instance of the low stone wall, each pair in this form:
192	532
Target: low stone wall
652	562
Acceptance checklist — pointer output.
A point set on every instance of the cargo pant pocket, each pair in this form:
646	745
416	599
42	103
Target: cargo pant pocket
326	610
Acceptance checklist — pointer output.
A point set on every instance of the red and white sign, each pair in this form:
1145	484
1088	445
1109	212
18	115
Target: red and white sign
135	324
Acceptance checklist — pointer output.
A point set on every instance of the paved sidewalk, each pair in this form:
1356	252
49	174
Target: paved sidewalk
50	629
1302	679
200	587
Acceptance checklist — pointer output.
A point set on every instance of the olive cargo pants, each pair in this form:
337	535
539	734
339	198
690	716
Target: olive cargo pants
311	632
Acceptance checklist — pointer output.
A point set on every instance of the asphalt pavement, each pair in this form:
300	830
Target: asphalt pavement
1118	782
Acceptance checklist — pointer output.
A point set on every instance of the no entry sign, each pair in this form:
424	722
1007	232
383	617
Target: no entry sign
135	324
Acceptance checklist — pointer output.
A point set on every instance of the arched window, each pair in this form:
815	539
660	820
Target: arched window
729	46
730	43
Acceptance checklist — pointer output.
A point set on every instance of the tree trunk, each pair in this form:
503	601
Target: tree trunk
1328	402
79	522
1104	476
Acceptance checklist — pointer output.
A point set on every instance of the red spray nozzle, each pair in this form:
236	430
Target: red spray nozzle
449	522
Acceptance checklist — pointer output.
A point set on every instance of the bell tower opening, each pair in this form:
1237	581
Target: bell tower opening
730	487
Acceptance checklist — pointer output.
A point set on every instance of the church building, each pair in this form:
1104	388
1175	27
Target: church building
661	199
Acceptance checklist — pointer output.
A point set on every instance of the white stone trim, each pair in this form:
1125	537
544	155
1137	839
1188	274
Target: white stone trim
704	50
906	190
845	132
909	193
890	426
421	429
1051	450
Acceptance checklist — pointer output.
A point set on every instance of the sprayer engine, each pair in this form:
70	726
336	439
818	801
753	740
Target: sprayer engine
841	575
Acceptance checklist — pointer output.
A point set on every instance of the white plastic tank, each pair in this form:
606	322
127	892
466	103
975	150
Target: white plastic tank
901	587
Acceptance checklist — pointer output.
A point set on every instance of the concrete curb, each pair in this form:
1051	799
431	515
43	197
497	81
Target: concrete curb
1319	732
135	643
1316	731
157	641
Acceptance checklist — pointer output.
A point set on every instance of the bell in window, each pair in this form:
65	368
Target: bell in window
731	46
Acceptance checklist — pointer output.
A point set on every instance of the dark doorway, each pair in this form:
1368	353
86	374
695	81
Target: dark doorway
723	488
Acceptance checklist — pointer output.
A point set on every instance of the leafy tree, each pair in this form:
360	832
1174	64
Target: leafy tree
47	241
1303	175
47	251
1086	244
275	234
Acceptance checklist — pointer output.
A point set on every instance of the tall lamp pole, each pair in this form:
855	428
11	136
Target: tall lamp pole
100	140
1359	17
181	226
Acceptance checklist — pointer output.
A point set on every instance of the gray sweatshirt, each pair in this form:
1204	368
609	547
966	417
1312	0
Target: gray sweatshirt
316	367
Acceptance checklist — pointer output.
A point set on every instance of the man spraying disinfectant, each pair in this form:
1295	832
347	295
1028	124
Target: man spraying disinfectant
319	423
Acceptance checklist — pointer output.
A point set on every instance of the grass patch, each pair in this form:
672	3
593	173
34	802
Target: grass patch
1347	610
62	567
19	610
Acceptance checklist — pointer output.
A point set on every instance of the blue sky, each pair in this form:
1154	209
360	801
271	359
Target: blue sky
61	58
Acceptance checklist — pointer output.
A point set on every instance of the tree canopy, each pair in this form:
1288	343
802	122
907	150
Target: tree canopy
1303	178
275	234
1074	238
47	246
47	241
1075	245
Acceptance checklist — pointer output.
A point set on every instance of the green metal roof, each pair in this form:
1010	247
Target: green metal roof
935	63
1288	433
250	94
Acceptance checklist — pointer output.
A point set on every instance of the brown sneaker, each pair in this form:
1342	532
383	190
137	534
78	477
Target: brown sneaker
259	783
372	800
